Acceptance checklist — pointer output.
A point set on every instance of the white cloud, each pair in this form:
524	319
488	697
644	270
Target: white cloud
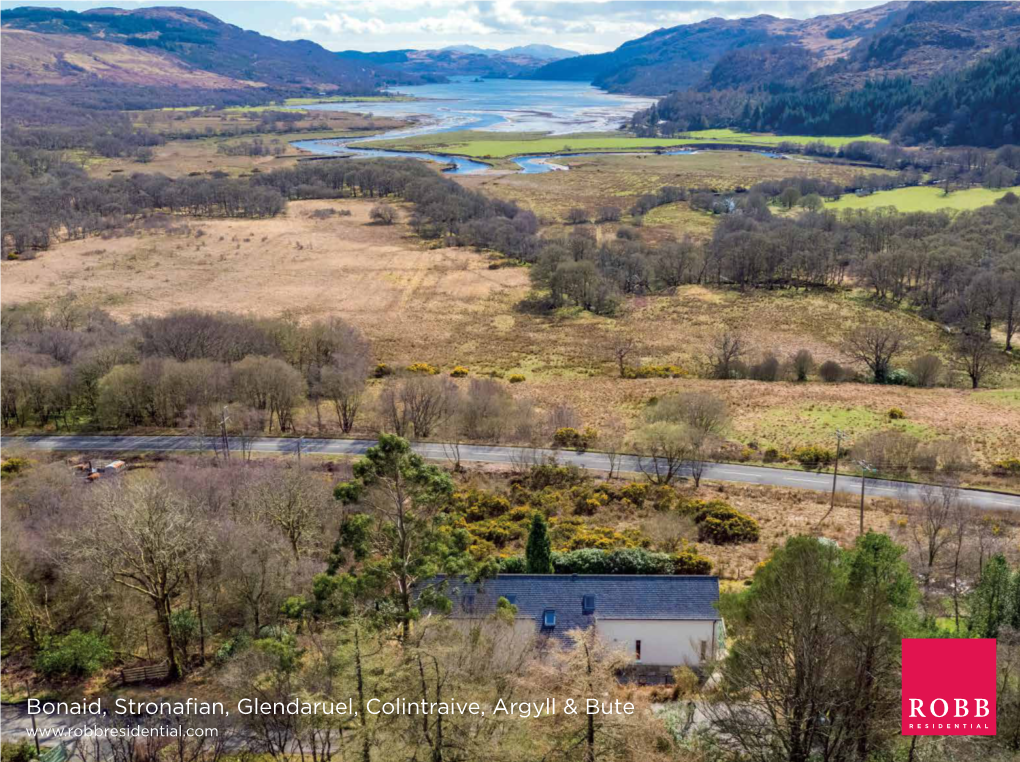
583	25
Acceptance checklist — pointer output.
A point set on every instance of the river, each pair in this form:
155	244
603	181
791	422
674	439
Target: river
497	105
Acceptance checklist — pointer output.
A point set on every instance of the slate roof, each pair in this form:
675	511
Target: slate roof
617	596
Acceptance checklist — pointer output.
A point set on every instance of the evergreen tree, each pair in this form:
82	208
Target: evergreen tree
991	600
539	551
407	496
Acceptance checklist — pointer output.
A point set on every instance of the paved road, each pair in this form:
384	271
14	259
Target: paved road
594	461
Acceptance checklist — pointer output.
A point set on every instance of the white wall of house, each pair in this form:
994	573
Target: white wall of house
663	642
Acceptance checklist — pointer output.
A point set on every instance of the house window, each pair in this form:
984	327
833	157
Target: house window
549	619
468	603
637	650
587	604
704	650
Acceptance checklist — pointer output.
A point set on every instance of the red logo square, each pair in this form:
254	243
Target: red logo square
948	687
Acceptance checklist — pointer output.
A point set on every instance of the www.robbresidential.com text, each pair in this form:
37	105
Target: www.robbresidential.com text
373	706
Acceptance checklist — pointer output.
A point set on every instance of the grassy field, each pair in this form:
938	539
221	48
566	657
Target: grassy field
595	181
922	199
244	119
186	156
497	145
446	307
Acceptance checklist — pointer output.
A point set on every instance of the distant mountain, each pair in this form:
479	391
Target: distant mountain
940	72
683	56
462	60
538	52
151	46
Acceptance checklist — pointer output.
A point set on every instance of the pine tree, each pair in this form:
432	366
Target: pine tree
539	552
991	600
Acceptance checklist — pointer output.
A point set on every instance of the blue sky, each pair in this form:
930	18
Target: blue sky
581	25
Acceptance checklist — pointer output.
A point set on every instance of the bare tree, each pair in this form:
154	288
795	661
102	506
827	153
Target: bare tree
256	566
144	536
963	521
344	387
933	522
485	412
727	356
294	501
663	450
703	418
875	346
975	355
803	363
418	405
611	438
623	346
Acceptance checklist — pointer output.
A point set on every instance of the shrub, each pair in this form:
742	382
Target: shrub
500	532
926	370
505	610
830	371
901	377
22	751
689	562
655	371
771	455
803	363
1007	467
572	438
549	475
608	214
896	414
77	654
766	370
423	368
721	524
621	561
513	565
383	214
478	504
635	493
685	682
577	217
382	370
13	467
516	378
813	456
459	372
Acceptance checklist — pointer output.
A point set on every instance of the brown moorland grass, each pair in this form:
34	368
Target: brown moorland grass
198	155
595	181
408	298
447	307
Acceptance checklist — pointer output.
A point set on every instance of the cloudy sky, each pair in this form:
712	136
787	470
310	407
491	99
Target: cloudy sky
581	25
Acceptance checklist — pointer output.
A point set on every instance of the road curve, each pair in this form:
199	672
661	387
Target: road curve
595	461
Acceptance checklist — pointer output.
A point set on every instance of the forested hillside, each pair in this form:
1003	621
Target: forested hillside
944	73
200	41
979	105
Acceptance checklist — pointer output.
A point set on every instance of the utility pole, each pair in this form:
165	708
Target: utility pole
223	432
835	470
865	467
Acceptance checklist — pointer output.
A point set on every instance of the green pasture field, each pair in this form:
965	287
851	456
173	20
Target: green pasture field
497	145
922	199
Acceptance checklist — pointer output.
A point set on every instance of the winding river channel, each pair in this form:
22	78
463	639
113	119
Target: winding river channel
498	105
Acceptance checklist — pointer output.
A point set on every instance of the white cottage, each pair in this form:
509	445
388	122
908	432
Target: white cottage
664	621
